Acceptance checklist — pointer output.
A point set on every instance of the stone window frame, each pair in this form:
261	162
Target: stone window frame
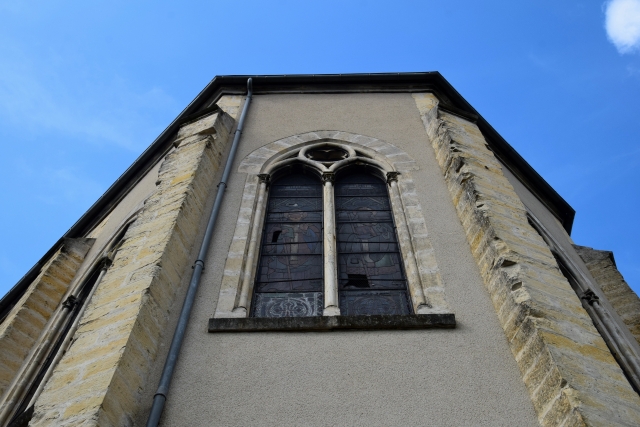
425	285
12	400
612	329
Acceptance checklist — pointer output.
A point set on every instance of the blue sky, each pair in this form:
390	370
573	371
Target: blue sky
86	86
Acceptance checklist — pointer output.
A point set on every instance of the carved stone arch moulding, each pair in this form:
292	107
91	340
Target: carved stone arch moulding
342	150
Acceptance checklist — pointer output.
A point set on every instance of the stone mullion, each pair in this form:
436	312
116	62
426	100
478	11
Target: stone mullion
603	269
418	300
28	330
251	264
331	307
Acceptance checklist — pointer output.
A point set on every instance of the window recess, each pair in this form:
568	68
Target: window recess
289	281
329	246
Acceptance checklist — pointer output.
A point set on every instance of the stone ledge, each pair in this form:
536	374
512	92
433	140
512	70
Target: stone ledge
333	323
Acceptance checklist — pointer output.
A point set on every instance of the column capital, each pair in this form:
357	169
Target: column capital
392	176
328	177
264	177
106	262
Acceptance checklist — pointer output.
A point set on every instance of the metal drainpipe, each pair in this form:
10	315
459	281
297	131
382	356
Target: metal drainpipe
160	397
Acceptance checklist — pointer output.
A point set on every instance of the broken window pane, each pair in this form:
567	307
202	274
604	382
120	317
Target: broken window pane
289	280
371	276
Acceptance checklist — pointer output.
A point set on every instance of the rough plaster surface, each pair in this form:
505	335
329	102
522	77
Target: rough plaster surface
461	377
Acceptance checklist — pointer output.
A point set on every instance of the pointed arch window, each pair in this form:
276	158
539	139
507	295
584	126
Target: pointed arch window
326	235
289	280
371	276
362	241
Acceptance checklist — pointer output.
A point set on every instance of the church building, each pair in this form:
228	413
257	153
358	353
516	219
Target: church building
323	250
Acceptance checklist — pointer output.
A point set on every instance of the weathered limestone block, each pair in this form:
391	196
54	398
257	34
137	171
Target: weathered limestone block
230	104
572	378
205	125
24	324
603	268
99	379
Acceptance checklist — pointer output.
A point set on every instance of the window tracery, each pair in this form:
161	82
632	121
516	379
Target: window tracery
328	161
327	246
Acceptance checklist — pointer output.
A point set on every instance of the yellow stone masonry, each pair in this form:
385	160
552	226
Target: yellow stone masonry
603	268
572	378
25	322
99	379
570	374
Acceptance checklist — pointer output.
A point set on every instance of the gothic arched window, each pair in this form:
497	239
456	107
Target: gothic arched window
289	280
371	277
323	230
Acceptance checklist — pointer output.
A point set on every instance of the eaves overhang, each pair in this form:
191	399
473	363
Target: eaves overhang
450	101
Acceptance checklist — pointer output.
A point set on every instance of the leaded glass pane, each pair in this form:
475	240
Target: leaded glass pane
288	304
363	202
290	286
289	280
295	206
361	281
376	266
296	184
348	216
371	276
367	303
366	237
293	217
289	267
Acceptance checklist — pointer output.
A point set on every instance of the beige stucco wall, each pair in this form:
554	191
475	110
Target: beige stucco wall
459	377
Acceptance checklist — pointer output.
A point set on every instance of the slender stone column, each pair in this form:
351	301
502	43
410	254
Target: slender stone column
251	260
330	254
418	299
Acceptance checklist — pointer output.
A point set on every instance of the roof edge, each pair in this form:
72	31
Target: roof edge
433	81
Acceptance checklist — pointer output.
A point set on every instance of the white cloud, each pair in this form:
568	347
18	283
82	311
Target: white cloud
623	24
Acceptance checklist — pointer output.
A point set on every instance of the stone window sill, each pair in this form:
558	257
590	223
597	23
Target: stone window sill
333	323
